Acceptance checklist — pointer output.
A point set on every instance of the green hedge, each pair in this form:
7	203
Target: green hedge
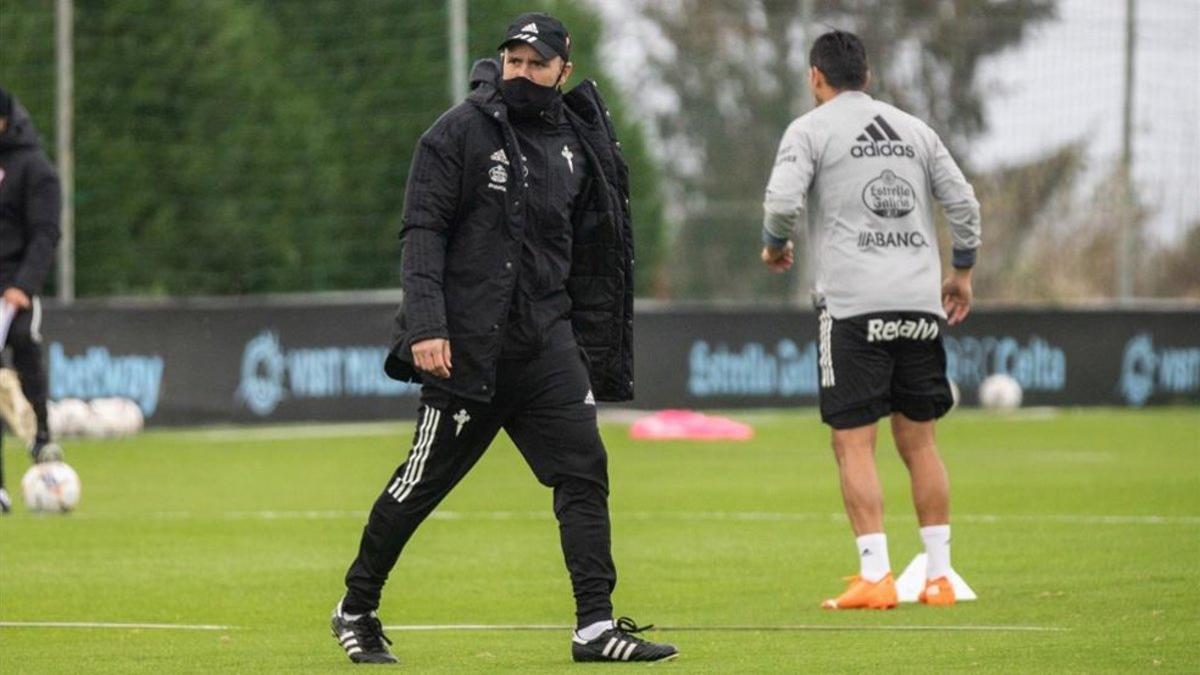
243	146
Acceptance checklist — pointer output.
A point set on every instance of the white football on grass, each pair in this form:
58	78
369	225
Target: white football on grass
51	487
1000	392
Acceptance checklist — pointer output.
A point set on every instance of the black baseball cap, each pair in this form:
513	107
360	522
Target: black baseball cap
541	31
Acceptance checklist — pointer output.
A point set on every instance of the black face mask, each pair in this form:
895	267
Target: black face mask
525	98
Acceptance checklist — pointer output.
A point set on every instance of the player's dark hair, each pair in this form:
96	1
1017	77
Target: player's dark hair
6	103
841	57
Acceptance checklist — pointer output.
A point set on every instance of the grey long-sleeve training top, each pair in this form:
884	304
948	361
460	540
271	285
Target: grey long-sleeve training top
866	174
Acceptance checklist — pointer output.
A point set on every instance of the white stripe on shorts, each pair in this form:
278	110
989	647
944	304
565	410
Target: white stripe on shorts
826	350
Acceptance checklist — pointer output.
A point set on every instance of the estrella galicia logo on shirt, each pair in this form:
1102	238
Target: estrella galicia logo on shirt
879	139
499	176
889	196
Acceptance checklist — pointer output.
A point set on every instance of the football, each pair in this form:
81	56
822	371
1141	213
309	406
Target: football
1000	392
68	417
114	418
51	487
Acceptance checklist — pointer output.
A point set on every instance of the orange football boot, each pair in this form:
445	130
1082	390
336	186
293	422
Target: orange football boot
937	591
863	594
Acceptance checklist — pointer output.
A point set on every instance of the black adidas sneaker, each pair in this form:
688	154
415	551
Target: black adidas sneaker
362	638
620	644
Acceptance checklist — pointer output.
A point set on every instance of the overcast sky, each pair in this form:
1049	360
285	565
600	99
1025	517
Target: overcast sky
1064	83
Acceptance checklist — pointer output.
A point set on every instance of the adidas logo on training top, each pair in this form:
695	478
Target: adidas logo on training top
881	140
499	156
877	131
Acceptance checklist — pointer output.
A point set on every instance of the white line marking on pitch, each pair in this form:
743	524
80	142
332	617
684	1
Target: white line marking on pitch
542	627
713	516
102	624
734	628
289	432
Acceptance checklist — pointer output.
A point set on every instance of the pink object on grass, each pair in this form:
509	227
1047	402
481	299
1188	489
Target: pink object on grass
689	425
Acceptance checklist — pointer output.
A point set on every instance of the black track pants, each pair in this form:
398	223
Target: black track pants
545	406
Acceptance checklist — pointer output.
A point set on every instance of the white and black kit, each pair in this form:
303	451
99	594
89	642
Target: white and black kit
864	176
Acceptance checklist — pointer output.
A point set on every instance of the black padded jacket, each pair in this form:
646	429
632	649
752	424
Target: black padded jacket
461	237
30	206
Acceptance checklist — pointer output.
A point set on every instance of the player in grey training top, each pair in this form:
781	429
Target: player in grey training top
865	175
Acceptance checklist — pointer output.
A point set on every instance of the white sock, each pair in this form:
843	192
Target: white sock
937	548
873	556
589	633
348	617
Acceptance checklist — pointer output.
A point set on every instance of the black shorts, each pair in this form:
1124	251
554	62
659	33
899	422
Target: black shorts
875	364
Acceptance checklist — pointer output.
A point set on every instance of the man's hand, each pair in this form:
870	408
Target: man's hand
433	357
16	297
779	259
956	296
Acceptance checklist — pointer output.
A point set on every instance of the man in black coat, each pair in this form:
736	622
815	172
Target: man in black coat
30	208
518	315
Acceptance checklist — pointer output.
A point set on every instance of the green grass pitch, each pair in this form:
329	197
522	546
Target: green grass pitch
1081	526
